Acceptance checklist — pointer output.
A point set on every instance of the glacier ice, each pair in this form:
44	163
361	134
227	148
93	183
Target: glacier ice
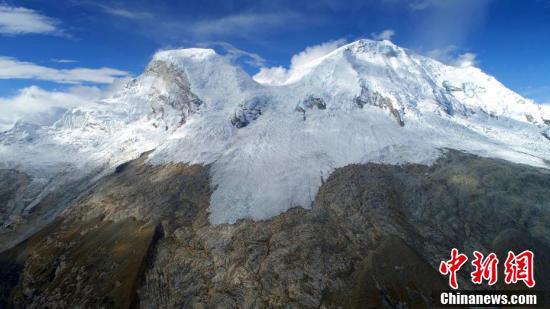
271	147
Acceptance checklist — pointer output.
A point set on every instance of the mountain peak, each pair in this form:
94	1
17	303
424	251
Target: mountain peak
384	47
270	148
368	44
174	55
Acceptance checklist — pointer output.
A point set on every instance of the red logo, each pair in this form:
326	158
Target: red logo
519	268
516	268
485	268
451	266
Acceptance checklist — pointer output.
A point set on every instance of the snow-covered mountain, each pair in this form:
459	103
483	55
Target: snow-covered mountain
271	147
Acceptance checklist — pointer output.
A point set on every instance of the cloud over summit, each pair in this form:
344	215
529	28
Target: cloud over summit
299	64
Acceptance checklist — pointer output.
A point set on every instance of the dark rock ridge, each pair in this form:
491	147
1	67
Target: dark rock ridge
309	103
27	206
249	111
12	190
179	99
373	238
374	98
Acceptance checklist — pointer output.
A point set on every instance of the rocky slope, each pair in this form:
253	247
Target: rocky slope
374	236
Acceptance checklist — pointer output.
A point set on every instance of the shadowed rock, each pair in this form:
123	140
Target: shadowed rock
373	238
368	97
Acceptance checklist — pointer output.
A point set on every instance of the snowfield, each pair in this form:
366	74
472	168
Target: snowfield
271	147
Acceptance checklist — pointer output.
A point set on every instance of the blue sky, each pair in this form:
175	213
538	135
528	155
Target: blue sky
60	46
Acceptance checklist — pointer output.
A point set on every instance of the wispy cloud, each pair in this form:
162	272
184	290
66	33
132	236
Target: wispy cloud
198	22
11	68
235	53
242	24
387	34
63	60
299	64
445	54
123	12
454	56
419	5
465	60
20	20
450	22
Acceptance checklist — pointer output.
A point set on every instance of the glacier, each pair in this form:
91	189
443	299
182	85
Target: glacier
270	147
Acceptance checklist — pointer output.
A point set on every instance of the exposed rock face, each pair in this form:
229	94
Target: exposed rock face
94	253
374	98
451	88
249	111
170	95
309	103
12	189
27	205
373	238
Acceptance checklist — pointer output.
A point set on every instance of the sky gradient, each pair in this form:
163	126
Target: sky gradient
78	47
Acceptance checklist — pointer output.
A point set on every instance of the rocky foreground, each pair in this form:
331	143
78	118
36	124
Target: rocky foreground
140	237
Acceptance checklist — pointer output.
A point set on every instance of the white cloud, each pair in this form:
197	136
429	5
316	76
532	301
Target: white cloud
465	60
11	68
122	12
19	20
235	53
446	22
38	106
419	5
273	76
63	60
450	55
300	64
315	52
445	54
43	107
243	24
384	35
